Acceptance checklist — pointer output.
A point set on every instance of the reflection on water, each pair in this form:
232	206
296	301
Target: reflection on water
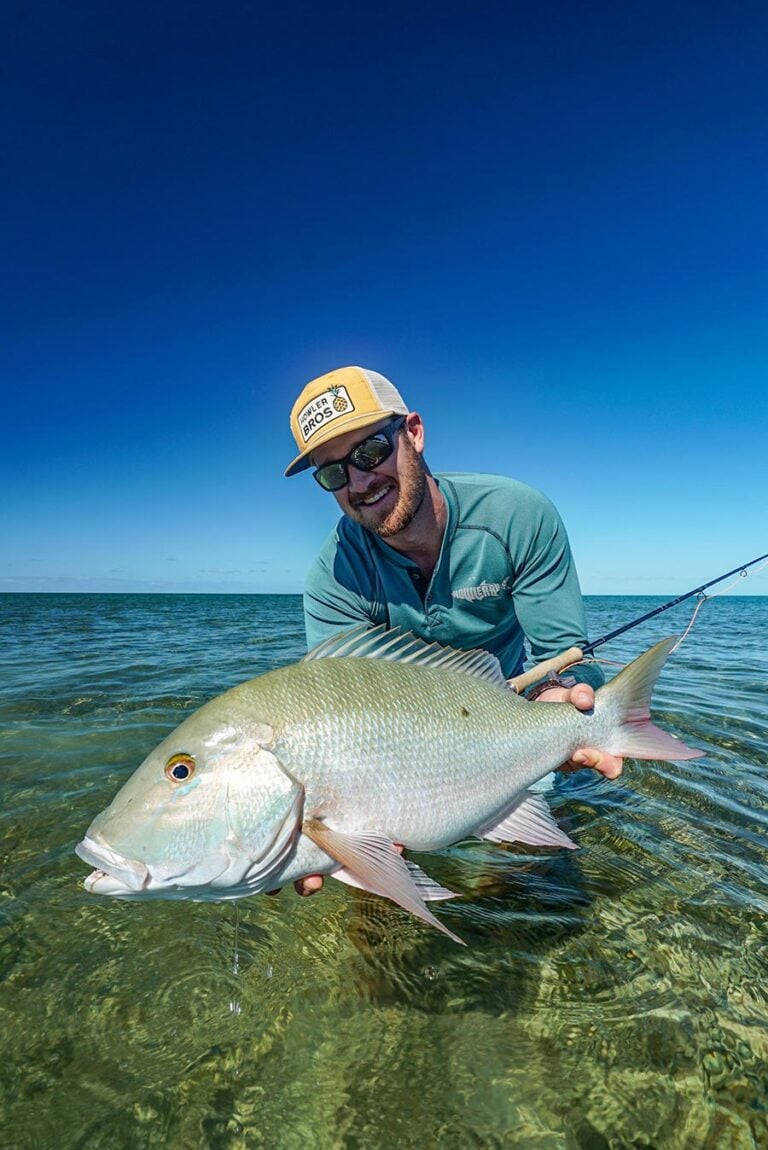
614	996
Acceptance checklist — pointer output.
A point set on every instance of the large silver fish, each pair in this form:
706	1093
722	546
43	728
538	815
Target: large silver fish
374	738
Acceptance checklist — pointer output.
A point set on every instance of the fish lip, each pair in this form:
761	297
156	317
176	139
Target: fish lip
114	874
127	873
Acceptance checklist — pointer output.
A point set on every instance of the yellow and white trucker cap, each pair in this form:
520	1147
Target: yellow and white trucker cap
337	402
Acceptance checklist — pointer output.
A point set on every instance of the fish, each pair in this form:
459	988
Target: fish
375	738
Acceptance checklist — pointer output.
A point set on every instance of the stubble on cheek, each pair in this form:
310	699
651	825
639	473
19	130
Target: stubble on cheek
413	487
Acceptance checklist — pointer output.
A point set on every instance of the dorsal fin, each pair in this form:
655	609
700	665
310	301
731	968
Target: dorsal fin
397	647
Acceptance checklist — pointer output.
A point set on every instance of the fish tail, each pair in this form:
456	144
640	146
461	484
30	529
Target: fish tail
628	695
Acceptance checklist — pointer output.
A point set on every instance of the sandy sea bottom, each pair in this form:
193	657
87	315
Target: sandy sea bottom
610	997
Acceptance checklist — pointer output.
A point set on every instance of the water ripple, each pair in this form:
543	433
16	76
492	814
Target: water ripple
615	995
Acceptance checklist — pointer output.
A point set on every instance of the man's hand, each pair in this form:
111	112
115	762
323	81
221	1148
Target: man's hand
310	884
582	696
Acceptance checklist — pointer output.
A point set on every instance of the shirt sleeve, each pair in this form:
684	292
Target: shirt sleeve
334	601
546	593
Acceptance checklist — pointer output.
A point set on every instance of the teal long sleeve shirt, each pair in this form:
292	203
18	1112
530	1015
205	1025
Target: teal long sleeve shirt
505	574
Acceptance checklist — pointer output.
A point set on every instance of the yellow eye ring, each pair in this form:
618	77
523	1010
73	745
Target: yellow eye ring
180	768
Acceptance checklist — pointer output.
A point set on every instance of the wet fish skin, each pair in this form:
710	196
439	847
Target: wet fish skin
320	766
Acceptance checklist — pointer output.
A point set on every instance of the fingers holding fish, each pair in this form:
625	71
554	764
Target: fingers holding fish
610	766
582	696
310	884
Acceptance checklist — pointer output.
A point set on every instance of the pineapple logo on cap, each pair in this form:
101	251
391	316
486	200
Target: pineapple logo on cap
322	409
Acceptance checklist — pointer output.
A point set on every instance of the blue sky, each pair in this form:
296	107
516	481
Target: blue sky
545	222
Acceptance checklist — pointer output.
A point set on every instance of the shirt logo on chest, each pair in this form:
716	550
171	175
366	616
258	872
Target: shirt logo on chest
482	591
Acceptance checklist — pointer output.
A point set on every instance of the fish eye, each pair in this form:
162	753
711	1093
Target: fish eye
179	768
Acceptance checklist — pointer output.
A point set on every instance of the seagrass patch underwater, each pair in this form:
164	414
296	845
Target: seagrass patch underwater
611	996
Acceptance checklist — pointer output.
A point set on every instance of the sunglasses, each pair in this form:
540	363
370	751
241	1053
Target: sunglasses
364	456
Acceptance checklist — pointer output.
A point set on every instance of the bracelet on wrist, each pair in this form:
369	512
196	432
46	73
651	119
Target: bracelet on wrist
552	680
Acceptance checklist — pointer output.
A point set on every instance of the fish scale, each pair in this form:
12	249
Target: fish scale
406	751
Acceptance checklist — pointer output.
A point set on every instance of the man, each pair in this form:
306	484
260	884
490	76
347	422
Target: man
463	560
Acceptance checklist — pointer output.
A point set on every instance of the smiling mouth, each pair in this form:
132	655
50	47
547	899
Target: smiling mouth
371	498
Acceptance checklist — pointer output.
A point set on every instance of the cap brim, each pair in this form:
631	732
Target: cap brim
335	429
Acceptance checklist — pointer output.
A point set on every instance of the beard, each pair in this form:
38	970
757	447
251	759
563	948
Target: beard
412	484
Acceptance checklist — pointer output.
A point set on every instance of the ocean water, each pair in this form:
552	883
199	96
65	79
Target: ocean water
611	997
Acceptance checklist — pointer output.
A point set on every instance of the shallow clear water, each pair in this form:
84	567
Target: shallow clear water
610	997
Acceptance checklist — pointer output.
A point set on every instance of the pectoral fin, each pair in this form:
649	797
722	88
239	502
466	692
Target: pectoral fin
529	821
371	862
429	890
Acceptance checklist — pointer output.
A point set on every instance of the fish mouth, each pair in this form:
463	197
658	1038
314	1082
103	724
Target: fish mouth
114	873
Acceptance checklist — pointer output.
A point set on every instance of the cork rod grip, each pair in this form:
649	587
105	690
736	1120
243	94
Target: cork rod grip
541	670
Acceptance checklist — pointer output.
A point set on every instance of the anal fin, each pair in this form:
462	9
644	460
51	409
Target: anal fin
530	821
370	861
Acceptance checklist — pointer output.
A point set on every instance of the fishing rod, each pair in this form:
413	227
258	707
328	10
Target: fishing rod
576	654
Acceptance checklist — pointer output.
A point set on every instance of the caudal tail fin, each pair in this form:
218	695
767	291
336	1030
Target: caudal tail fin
629	695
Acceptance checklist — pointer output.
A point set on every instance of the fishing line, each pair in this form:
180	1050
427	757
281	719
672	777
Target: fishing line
743	574
236	954
741	571
234	1006
702	599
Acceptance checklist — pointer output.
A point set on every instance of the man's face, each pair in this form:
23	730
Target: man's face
386	499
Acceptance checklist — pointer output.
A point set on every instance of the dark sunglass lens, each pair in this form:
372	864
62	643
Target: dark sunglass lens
332	476
370	453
